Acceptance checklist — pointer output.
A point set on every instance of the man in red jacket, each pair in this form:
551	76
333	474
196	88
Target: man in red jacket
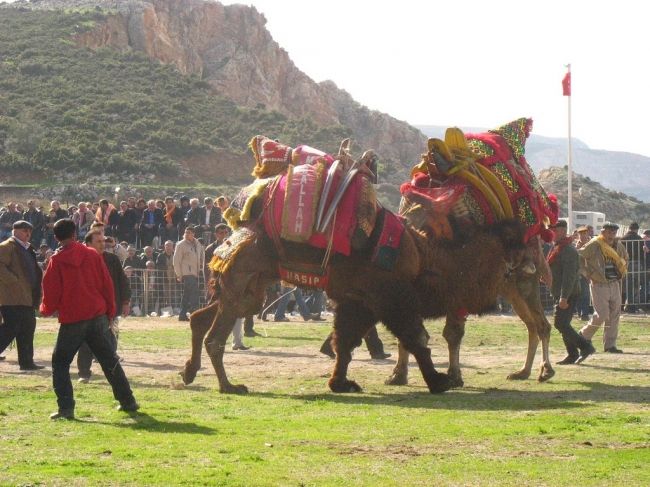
77	285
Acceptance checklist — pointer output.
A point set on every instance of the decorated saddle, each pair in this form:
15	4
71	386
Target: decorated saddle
480	178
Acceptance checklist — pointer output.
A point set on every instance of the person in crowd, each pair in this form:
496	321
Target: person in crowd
95	239
185	205
633	243
160	204
148	255
20	293
132	260
78	287
40	254
83	218
60	212
50	220
605	265
565	265
193	217
645	281
35	217
116	249
188	266
221	233
373	343
222	204
173	218
107	214
583	305
165	266
152	218
7	220
286	292
209	216
140	206
151	288
127	223
136	286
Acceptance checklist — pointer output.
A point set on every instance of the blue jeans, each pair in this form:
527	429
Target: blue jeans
284	301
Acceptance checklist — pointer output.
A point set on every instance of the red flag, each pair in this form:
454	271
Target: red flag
566	84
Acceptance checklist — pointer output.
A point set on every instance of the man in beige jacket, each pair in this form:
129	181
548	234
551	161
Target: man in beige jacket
604	263
188	266
20	293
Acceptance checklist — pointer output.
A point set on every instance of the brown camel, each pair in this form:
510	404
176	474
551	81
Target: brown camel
364	294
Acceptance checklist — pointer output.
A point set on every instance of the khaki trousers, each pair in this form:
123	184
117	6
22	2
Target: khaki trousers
606	298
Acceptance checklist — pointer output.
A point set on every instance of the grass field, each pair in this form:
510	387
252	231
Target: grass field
590	425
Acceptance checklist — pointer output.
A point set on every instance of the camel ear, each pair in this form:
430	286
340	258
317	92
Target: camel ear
344	148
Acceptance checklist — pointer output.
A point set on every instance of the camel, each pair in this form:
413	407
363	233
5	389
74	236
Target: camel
429	277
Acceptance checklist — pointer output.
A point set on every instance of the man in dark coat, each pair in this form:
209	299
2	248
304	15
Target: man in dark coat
152	218
95	239
20	293
565	265
35	217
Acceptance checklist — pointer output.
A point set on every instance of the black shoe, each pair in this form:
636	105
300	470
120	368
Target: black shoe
252	333
2	358
32	367
380	356
585	352
63	414
240	347
183	318
613	350
568	360
129	408
317	317
284	318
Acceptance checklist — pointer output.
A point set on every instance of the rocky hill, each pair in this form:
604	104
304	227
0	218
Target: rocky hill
589	195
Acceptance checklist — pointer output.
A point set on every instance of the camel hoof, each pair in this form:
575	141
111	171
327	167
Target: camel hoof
521	375
234	389
545	373
344	386
439	383
397	379
456	382
187	375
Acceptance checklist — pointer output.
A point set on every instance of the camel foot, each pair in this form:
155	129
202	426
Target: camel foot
438	383
456	381
233	389
344	386
545	373
397	379
523	374
188	374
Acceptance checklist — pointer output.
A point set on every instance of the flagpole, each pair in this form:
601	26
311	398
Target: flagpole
569	170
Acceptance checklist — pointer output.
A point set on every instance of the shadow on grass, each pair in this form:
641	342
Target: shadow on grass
485	399
143	421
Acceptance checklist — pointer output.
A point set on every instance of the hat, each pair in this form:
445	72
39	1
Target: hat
22	225
559	223
583	229
610	226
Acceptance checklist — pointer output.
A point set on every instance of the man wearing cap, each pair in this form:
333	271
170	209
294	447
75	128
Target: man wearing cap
605	264
20	293
634	246
583	304
564	263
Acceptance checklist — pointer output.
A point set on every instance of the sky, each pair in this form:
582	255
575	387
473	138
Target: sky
480	64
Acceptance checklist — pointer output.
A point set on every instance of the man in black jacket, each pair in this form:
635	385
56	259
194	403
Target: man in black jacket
565	265
633	243
35	217
96	240
152	218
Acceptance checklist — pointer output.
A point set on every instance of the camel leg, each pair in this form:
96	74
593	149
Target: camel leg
215	345
352	321
527	304
453	332
397	310
400	375
200	322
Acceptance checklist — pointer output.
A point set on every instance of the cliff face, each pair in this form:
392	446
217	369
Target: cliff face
230	47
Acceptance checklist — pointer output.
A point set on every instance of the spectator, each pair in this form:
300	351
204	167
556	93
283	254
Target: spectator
20	293
136	286
222	203
633	243
193	217
582	306
173	218
165	266
152	218
35	217
83	218
60	212
96	240
148	255
107	214
50	220
132	260
221	233
77	286
126	223
188	265
209	216
7	220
